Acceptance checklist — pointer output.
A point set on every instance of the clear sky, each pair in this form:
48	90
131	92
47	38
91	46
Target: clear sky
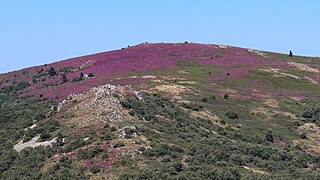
35	32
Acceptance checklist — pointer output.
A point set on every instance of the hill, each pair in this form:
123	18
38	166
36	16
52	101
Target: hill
162	111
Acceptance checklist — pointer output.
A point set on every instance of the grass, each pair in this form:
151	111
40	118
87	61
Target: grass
272	83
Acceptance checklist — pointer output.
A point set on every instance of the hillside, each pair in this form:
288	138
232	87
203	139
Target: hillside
162	111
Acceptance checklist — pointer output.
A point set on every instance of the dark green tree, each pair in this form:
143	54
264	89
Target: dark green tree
81	76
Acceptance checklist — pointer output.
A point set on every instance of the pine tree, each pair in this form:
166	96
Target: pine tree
290	54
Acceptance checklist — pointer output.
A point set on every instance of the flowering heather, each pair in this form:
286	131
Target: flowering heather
103	163
144	58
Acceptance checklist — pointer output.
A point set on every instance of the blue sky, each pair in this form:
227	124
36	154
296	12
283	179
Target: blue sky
36	32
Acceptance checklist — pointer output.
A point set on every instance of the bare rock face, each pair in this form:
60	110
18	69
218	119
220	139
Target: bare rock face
98	104
127	130
33	143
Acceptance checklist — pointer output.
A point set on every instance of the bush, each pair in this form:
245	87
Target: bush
303	135
76	79
67	69
52	71
45	136
95	169
192	106
90	75
117	145
232	115
212	97
269	137
80	78
204	99
64	78
308	114
132	113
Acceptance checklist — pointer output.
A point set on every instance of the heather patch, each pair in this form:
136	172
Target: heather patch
139	59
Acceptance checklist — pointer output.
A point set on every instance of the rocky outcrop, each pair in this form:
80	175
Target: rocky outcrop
33	143
99	103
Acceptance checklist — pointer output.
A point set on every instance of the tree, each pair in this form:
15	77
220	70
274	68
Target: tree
52	71
81	76
290	54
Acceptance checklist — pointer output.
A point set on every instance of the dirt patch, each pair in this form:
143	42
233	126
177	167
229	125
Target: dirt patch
188	82
33	143
311	80
31	127
171	89
278	72
259	53
255	170
206	115
310	127
231	91
183	72
272	113
312	140
271	103
297	98
303	67
222	46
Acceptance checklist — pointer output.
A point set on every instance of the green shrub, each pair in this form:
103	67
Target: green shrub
90	75
303	135
232	115
52	71
269	137
192	106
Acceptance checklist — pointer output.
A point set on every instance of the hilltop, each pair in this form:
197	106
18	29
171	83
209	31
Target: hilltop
163	110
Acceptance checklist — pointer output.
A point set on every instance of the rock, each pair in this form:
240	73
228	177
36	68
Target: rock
33	143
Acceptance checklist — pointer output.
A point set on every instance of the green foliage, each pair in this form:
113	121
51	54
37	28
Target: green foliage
64	78
52	71
312	115
193	106
303	135
176	137
90	75
15	88
80	78
64	170
90	153
269	137
66	70
232	115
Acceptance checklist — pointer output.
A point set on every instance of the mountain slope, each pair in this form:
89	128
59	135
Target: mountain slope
163	111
